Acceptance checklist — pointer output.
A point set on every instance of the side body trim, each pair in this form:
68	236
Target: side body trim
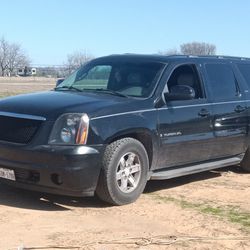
24	116
159	109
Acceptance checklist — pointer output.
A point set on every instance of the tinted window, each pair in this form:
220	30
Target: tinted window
245	71
96	77
126	77
186	75
222	82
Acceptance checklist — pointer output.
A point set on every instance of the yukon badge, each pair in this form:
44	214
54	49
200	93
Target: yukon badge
171	134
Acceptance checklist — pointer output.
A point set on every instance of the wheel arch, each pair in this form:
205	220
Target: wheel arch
142	135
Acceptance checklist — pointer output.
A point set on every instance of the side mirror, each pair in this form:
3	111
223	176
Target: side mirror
59	81
180	92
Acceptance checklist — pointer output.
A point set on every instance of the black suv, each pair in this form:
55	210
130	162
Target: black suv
121	120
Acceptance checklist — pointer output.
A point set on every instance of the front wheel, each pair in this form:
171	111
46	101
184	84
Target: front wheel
245	164
124	173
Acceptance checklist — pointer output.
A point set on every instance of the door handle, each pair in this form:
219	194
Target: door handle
204	113
239	109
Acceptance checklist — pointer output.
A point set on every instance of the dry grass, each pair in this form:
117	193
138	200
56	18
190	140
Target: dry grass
10	86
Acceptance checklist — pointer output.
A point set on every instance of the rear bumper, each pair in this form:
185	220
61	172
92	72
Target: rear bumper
65	170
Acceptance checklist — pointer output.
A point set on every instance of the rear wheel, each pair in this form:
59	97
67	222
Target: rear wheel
124	173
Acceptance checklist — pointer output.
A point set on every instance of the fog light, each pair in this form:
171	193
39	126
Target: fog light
56	179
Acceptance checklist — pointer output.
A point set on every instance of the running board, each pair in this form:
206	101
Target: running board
172	173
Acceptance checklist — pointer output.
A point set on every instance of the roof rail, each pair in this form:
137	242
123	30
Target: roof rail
211	56
188	56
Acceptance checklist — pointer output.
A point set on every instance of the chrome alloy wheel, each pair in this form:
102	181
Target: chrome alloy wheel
128	172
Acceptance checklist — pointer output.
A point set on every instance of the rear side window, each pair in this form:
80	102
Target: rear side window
222	82
245	71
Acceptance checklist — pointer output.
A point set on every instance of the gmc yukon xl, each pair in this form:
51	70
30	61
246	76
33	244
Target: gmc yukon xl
121	120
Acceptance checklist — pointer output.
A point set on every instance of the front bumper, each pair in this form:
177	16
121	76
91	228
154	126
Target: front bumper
66	170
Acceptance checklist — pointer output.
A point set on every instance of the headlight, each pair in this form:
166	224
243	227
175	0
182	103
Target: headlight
70	129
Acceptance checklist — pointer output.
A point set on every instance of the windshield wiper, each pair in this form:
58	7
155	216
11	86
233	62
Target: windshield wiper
111	92
68	88
108	91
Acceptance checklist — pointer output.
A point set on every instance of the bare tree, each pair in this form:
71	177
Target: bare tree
16	58
76	60
198	48
4	50
12	57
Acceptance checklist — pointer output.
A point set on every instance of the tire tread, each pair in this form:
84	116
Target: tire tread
104	192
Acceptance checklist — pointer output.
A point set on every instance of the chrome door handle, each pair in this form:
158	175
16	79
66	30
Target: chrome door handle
204	113
239	109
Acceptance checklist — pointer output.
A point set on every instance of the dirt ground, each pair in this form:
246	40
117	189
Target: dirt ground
209	210
191	212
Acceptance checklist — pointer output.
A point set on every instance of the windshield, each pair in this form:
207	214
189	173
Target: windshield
136	79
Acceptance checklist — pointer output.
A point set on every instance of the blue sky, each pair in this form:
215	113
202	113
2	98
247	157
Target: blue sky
50	30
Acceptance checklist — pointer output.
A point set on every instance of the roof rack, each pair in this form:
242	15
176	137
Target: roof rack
211	56
187	56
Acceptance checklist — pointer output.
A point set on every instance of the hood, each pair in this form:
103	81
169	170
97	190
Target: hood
52	104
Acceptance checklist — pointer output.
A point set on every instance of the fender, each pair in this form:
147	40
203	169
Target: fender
108	129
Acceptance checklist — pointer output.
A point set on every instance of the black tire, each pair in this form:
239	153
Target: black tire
245	163
108	187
